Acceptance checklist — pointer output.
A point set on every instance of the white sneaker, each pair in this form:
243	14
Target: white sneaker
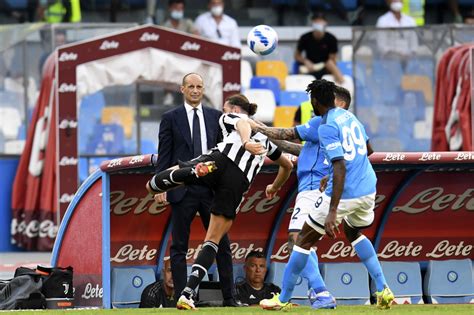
185	304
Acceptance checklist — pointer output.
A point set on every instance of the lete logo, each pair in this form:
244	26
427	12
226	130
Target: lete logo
106	45
65	88
66	161
67	57
228	55
65	124
66	198
190	46
229	87
149	37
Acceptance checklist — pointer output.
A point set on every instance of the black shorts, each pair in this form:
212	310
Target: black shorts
228	183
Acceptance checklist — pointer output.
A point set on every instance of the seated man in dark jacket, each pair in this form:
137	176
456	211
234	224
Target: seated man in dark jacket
160	293
253	289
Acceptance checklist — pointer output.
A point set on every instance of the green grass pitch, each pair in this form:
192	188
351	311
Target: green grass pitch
428	309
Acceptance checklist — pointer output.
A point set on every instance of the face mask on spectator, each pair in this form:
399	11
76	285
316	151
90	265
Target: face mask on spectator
320	27
396	6
177	15
217	10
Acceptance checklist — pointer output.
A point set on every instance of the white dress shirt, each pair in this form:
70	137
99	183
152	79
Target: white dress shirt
402	42
227	28
200	113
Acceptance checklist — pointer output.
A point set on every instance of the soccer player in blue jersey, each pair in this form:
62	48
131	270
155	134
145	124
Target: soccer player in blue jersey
349	197
311	169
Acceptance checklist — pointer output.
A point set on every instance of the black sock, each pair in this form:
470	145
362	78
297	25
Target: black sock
201	265
169	179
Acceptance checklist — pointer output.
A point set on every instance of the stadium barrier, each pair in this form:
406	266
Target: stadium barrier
424	209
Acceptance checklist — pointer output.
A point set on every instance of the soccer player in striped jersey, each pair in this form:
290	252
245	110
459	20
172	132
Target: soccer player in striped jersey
348	198
228	169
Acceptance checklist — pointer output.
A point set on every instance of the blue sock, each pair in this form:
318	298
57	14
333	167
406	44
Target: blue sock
365	251
311	272
298	259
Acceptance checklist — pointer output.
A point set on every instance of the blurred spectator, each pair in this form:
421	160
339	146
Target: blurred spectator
253	289
25	12
151	12
469	18
396	43
60	11
176	18
415	9
160	293
59	40
218	26
320	50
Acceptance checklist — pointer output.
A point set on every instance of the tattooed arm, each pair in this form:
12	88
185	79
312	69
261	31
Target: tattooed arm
289	147
273	132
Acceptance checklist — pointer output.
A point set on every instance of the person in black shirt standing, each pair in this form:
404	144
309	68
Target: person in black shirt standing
253	289
320	49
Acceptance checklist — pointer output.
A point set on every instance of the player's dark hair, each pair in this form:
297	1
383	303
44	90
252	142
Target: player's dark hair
343	94
318	15
243	102
254	253
171	2
323	91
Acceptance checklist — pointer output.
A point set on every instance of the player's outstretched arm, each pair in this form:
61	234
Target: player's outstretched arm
339	175
284	172
273	132
289	147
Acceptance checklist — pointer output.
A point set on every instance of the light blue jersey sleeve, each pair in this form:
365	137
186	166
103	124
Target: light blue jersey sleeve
309	131
331	142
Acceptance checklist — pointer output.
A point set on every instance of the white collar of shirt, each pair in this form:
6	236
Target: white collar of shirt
189	108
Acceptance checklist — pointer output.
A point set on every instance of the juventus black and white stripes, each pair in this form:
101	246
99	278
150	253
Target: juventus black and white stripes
232	147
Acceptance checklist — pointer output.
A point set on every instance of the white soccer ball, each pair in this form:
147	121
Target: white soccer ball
262	40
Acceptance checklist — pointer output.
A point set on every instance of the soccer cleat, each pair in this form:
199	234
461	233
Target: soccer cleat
185	304
385	298
275	304
323	300
203	168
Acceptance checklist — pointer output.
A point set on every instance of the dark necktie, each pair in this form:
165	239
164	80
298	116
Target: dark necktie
197	148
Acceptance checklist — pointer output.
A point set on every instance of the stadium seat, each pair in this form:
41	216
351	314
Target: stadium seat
348	82
449	281
420	83
292	98
404	279
147	147
345	67
387	144
14	146
107	139
346	53
246	74
10	122
421	66
83	166
239	272
298	82
300	292
265	100
127	284
272	68
121	115
270	83
348	282
284	116
91	106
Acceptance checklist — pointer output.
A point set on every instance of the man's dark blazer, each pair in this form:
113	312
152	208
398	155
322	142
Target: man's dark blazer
175	141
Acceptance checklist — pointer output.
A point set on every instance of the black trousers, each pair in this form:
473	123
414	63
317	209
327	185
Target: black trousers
197	199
